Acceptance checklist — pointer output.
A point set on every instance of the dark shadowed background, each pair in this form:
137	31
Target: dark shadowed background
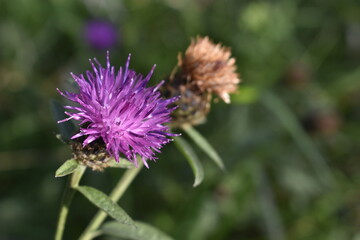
289	139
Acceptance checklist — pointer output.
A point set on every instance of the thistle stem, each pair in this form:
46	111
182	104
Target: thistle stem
69	192
115	195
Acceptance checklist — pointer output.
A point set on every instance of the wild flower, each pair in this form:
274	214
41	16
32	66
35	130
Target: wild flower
117	109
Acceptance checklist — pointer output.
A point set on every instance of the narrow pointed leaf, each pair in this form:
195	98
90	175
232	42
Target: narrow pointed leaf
192	158
67	168
142	231
204	145
102	201
67	128
288	119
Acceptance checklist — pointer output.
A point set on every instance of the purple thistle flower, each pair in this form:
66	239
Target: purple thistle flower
117	107
100	34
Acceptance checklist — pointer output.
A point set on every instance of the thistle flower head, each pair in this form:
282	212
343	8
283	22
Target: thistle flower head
204	69
210	68
100	34
193	106
117	108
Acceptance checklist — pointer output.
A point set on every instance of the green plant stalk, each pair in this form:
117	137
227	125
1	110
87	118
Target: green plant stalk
116	194
69	192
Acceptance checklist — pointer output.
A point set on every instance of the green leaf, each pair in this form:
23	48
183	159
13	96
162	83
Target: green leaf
123	163
142	231
204	145
67	128
102	201
192	158
67	168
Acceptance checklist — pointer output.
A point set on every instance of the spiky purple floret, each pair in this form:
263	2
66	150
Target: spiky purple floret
119	108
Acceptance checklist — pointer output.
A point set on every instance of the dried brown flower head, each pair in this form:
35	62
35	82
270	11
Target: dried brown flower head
193	106
210	68
204	69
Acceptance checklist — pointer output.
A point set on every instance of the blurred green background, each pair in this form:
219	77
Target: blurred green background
289	140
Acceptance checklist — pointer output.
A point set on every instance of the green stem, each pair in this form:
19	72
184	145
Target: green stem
69	192
115	195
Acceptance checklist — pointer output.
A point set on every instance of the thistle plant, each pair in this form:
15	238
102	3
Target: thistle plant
204	69
123	123
118	116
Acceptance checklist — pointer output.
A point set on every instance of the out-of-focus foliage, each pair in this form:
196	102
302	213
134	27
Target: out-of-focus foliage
289	140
